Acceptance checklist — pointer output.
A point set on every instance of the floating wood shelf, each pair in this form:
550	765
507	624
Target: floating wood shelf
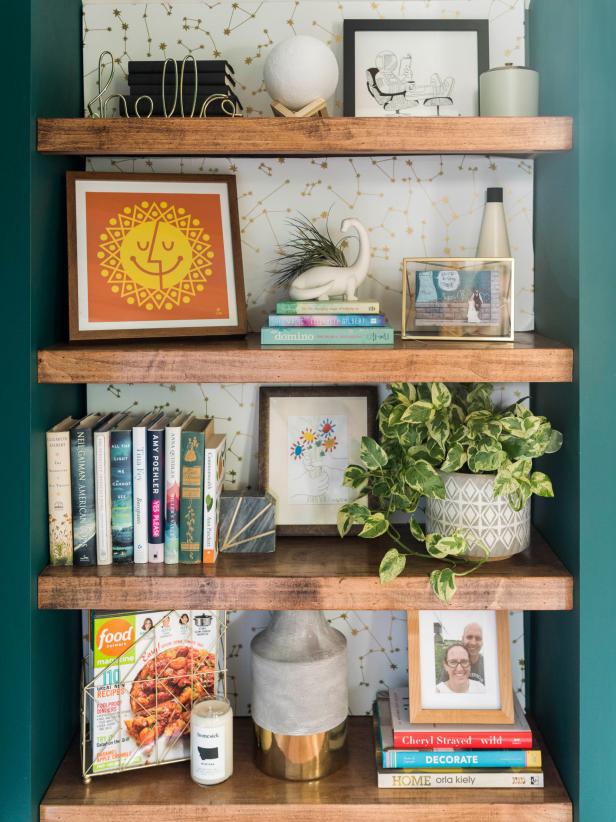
531	358
308	573
167	794
342	136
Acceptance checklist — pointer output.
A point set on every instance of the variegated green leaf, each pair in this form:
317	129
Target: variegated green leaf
556	440
355	476
422	477
404	392
372	455
441	395
375	526
392	565
485	461
455	459
443	583
541	484
438	427
417	531
418	412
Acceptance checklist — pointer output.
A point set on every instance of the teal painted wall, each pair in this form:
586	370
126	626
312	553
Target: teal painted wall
42	40
573	658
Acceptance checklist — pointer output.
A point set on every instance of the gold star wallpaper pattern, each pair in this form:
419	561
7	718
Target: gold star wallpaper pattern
411	206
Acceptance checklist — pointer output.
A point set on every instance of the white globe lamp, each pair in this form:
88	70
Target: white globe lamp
300	71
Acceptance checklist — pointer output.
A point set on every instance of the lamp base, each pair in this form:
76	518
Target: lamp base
317	108
300	758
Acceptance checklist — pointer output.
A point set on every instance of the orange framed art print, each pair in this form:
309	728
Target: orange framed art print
153	255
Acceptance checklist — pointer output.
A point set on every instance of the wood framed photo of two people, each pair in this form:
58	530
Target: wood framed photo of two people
460	667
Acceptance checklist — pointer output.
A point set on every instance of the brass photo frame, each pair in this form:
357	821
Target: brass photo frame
458	298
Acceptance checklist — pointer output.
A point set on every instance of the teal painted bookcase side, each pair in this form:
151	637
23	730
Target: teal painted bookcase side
42	45
571	659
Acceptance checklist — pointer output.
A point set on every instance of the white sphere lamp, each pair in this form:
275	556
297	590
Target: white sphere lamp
299	71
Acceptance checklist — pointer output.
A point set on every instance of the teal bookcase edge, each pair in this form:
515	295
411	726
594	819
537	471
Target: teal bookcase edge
576	303
42	43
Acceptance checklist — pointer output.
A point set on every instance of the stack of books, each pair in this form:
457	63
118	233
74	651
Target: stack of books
145	77
327	322
451	756
134	488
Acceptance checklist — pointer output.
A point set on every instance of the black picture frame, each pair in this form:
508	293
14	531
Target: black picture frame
351	27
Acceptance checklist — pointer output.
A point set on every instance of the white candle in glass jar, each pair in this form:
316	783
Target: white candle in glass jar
211	741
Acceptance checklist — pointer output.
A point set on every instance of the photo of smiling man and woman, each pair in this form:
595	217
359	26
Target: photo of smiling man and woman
460	660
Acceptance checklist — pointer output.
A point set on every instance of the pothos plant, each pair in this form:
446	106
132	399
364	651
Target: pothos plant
427	428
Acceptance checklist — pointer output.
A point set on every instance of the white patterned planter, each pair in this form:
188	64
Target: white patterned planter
470	507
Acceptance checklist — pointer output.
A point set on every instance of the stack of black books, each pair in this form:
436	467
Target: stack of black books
145	77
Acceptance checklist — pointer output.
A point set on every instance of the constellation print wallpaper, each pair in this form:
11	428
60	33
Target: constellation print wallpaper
411	206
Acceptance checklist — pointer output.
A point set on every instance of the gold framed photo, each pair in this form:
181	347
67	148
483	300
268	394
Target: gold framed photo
458	298
460	667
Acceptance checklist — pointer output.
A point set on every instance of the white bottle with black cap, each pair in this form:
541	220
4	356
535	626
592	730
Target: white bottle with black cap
493	238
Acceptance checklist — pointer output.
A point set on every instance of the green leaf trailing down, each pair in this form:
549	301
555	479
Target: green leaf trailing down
429	428
209	502
541	484
392	565
375	526
443	583
371	454
417	531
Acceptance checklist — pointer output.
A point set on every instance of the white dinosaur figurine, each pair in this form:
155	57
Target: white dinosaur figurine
324	281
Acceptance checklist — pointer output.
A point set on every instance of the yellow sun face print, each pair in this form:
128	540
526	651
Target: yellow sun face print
155	256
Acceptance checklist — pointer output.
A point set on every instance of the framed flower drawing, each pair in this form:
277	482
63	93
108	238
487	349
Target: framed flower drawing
153	255
307	437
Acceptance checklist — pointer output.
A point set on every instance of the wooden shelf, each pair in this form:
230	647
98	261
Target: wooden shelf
167	794
310	573
343	136
531	358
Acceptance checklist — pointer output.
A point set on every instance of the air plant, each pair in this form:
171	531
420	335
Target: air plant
308	247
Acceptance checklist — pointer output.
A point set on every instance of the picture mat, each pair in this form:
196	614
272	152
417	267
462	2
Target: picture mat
453	623
446	53
82	187
283	474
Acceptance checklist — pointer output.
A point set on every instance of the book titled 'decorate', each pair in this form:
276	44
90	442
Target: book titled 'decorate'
327	336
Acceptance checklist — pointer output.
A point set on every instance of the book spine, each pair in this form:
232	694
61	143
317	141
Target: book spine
102	486
83	497
326	307
213	483
172	494
156	496
140	496
59	498
191	496
467	739
122	530
327	336
326	320
461	759
421	779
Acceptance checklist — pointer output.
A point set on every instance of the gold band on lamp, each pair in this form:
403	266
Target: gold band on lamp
300	758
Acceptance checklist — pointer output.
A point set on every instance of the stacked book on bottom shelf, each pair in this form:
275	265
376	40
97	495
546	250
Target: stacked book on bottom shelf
327	322
451	756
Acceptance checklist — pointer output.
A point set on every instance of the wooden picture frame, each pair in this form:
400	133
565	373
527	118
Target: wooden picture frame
458	298
418	91
121	226
279	473
423	665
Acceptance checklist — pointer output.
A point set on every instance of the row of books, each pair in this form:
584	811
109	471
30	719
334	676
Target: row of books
134	487
195	83
451	756
327	322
